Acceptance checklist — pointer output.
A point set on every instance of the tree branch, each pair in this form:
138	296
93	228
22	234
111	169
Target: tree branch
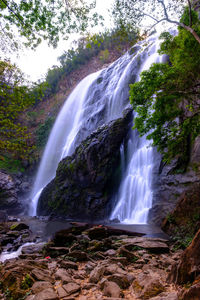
12	11
190	13
164	8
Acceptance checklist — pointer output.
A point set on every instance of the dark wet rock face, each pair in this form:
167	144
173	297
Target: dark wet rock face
84	181
184	220
8	194
170	182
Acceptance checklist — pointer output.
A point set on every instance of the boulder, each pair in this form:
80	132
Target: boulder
39	286
192	292
84	181
65	264
147	286
154	245
188	268
111	289
47	294
71	288
97	274
62	274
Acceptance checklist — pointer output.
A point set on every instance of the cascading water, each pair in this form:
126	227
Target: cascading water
96	100
134	197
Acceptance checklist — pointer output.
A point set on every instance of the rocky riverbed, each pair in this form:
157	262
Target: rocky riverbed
93	262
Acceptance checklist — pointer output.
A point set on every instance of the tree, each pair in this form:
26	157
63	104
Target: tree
36	20
167	97
132	12
15	97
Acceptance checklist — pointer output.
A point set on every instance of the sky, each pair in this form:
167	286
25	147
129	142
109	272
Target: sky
36	63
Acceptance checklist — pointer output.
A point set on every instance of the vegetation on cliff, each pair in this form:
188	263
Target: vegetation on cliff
15	97
166	98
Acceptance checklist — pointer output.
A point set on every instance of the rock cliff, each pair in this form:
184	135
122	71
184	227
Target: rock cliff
84	181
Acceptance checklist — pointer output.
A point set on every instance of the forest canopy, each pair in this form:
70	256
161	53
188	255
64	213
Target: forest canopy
50	20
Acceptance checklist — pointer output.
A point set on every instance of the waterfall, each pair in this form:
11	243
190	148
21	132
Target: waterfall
97	99
134	197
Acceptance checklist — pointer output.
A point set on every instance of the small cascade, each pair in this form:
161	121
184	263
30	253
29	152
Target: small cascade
96	100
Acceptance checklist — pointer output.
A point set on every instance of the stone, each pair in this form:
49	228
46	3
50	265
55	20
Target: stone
41	275
97	232
111	289
88	286
89	267
57	251
39	286
168	296
148	285
192	293
61	292
120	279
19	226
71	288
83	180
122	260
112	269
96	274
153	245
78	255
131	257
66	264
36	248
110	252
62	274
188	267
47	294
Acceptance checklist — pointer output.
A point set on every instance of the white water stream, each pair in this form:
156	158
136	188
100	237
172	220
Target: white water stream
96	100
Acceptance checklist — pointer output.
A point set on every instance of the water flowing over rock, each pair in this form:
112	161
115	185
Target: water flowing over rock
98	99
84	181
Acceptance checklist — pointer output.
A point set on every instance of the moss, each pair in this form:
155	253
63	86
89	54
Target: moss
27	282
13	226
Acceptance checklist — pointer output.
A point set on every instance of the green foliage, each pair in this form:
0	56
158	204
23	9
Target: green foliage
36	20
43	131
27	282
104	56
11	165
15	97
166	97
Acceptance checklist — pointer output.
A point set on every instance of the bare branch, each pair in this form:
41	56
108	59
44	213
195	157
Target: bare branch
164	8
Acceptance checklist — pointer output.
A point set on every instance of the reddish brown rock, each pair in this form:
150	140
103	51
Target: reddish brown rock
96	274
40	286
62	274
148	285
48	294
111	289
185	218
188	267
193	293
71	288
